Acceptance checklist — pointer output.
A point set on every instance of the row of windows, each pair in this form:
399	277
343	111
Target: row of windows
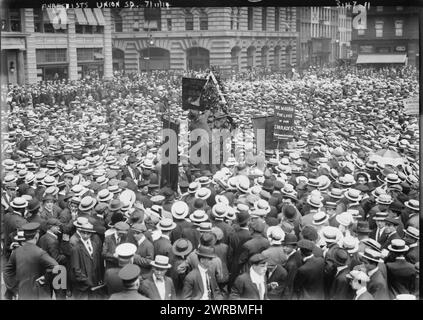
399	25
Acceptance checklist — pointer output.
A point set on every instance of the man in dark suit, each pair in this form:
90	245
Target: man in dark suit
401	274
125	253
292	264
28	266
411	237
359	280
377	285
252	284
191	233
49	242
219	212
163	246
86	263
131	171
112	241
236	240
158	286
256	244
390	233
145	249
179	212
308	282
200	284
340	288
129	275
13	220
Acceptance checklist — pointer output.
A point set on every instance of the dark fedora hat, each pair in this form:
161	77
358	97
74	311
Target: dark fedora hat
290	239
340	257
363	227
182	247
205	252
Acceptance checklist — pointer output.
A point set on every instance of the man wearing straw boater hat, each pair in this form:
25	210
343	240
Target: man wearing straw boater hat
401	273
86	263
159	286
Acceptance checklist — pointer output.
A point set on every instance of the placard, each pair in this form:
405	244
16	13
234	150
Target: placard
192	90
284	121
411	105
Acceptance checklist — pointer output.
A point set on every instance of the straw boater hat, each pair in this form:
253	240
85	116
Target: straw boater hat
180	210
398	245
161	262
320	218
413	205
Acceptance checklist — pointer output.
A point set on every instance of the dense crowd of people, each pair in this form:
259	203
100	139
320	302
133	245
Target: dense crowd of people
333	214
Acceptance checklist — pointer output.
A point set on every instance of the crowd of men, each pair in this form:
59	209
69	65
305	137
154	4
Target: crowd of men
327	218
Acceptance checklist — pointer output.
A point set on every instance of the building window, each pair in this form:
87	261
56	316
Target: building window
42	22
277	17
152	19
51	55
232	18
169	24
250	18
398	28
379	8
189	20
263	18
88	29
136	26
204	20
89	54
11	20
238	18
379	28
117	21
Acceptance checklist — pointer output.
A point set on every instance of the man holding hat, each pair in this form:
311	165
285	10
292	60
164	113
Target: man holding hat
125	253
129	275
359	280
112	241
27	268
158	286
200	283
252	284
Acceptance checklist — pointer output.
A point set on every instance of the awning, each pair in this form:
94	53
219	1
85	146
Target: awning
99	16
381	58
55	16
80	17
90	17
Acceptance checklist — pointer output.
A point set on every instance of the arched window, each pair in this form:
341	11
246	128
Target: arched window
204	20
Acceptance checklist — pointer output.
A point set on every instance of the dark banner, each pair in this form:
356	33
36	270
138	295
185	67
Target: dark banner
169	173
192	90
284	126
266	123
